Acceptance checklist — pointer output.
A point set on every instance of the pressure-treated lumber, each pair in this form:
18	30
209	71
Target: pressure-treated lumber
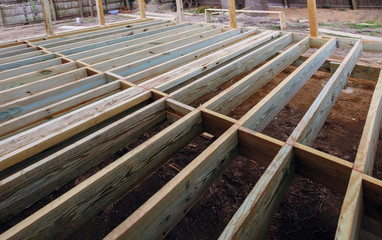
232	13
313	23
141	5
35	140
179	11
230	98
367	148
163	210
100	14
93	195
66	163
47	17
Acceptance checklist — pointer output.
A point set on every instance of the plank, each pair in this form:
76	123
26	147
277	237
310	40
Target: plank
54	168
214	79
106	186
119	36
177	76
21	146
332	172
156	217
158	63
253	219
262	113
350	220
364	161
56	108
310	125
372	195
23	62
215	123
258	147
17	52
106	62
152	47
28	78
25	90
33	102
30	68
240	91
20	57
116	43
232	13
19	46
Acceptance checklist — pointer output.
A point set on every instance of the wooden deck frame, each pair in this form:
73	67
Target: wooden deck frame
208	14
145	100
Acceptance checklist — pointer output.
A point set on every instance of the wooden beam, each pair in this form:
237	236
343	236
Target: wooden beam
96	193
232	13
263	112
350	220
80	8
141	4
364	161
313	23
179	11
235	95
26	144
30	184
177	76
100	14
212	80
155	218
47	17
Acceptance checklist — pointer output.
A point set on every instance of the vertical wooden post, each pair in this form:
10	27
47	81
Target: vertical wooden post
179	10
101	16
207	16
313	24
354	4
47	17
232	13
282	20
141	9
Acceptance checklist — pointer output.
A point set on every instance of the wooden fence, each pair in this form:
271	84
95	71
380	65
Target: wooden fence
330	3
31	12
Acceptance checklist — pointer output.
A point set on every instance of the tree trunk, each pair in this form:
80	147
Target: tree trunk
91	4
256	5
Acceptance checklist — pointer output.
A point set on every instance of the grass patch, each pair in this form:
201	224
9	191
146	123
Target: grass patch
361	26
343	36
342	10
370	22
202	9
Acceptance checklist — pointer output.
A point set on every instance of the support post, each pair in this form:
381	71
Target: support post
313	24
232	14
285	3
47	17
208	16
101	16
179	11
142	9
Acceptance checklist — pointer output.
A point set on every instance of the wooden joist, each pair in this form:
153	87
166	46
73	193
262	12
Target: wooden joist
73	115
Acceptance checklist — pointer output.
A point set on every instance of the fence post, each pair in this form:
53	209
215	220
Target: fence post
313	24
47	17
207	15
80	6
53	8
101	16
232	14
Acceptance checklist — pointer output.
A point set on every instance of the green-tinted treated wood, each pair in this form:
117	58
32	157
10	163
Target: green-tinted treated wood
94	194
177	76
205	84
240	91
16	57
28	61
155	218
58	166
21	146
261	114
